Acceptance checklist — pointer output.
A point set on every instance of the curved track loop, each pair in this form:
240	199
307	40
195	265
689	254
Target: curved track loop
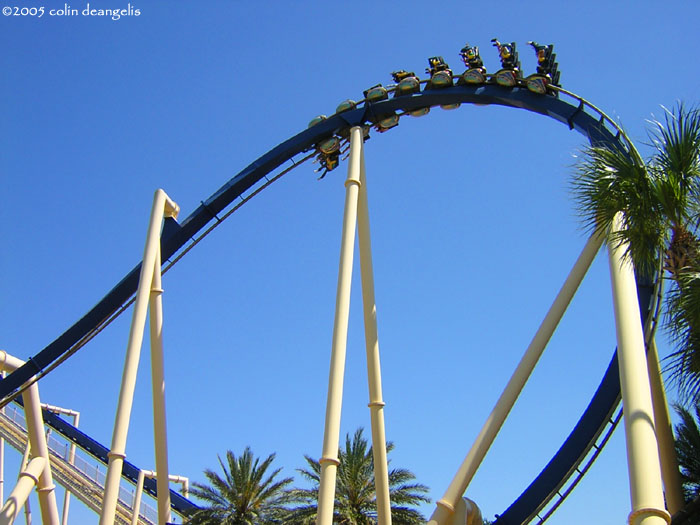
577	114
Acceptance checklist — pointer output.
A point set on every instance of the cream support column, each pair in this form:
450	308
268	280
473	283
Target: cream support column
2	455
460	515
446	506
374	374
71	452
331	435
18	497
71	460
136	505
158	382
36	442
466	513
143	474
664	432
2	469
22	468
162	205
37	439
642	449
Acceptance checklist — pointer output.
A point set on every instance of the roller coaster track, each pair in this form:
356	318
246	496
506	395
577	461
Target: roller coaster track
80	484
585	462
179	504
177	239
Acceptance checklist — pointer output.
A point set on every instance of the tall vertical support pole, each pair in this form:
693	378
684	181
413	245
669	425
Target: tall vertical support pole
2	456
71	460
143	474
643	464
162	205
331	434
23	466
445	507
158	381
670	473
37	439
374	374
136	506
2	469
36	443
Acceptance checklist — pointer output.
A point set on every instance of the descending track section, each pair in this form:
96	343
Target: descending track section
574	112
181	505
577	445
71	477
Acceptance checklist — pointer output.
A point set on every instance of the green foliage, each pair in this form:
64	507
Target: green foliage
660	202
612	181
683	325
355	500
676	162
245	495
688	451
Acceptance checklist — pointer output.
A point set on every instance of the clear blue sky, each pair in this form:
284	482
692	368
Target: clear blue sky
472	222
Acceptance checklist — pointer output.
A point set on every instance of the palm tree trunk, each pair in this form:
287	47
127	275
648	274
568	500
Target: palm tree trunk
683	251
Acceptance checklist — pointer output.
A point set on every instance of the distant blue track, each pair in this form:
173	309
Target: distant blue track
176	236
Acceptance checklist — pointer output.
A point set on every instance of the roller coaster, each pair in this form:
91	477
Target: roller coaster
326	140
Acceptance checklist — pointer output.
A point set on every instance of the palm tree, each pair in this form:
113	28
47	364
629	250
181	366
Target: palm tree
688	451
683	323
355	500
660	200
245	495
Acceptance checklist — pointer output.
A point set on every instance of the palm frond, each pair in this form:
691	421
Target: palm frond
682	322
688	450
246	494
608	182
355	498
677	157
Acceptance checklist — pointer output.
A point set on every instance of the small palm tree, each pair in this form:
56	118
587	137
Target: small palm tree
688	451
660	200
245	495
355	499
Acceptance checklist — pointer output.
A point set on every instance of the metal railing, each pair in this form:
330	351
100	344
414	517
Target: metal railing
93	471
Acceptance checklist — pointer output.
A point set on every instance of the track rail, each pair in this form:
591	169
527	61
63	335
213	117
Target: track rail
179	504
67	475
576	113
585	462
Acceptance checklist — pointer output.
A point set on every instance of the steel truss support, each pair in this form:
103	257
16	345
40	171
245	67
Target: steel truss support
356	215
643	463
444	513
149	290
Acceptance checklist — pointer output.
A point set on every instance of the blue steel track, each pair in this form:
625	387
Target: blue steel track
176	236
129	471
